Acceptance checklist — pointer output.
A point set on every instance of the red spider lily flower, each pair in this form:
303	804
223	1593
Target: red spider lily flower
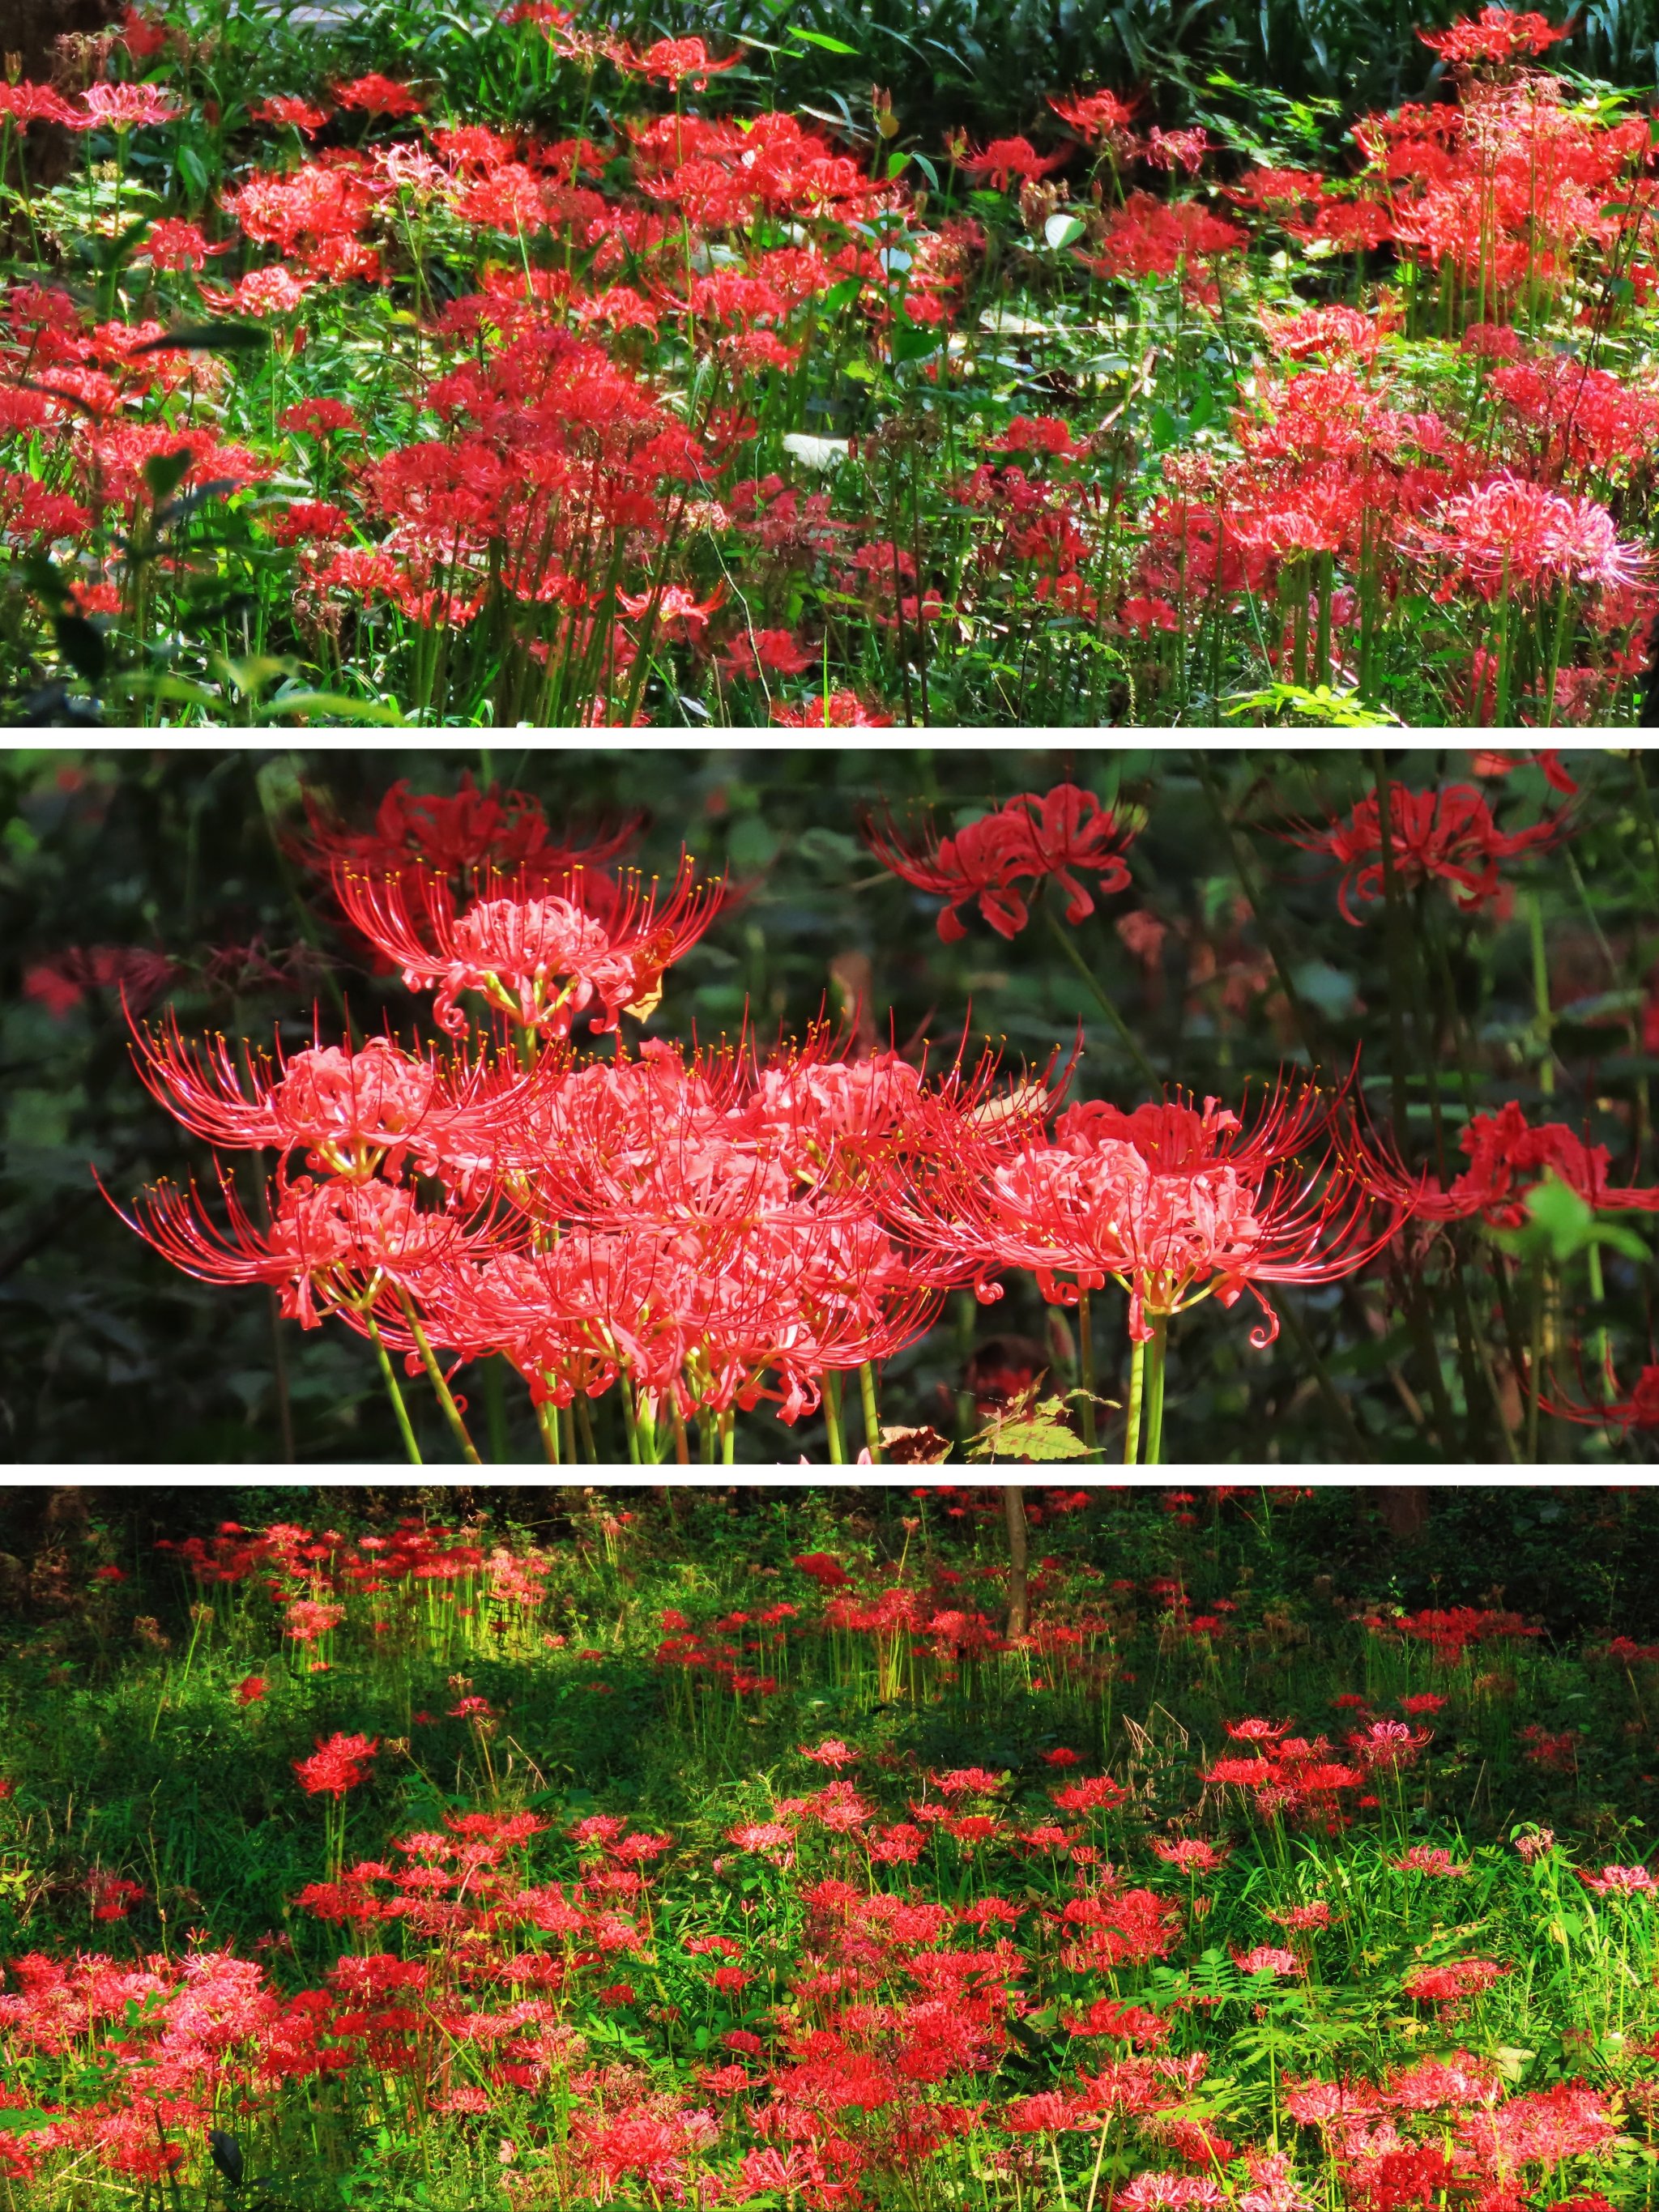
1173	1205
112	1895
674	63
1095	1792
61	982
1389	1744
540	961
1299	1918
828	1572
354	1112
1171	149
830	1752
1496	34
1097	118
761	1836
1005	159
1037	434
757	651
1032	836
175	244
1639	1410
1449	835
1486	762
339	1764
699	1308
122	107
1190	1853
832	710
375	95
251	1689
26	103
1507	1158
1050	2111
298	114
471	834
319	418
1268	1958
1256	1730
337	1243
1451	1984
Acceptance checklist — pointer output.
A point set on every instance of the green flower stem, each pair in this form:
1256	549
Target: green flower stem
1152	1449
832	1420
445	1396
1085	1371
390	1381
871	1412
1137	1396
1068	946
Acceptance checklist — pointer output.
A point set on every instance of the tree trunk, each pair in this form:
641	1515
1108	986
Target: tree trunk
1013	1506
1404	1508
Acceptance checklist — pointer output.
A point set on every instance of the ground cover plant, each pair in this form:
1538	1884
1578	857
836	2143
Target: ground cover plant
935	1122
579	382
993	1848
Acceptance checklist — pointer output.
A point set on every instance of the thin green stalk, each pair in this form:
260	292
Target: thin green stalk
1152	1450
390	1381
872	1412
435	1374
1085	1370
1137	1394
832	1420
1125	1034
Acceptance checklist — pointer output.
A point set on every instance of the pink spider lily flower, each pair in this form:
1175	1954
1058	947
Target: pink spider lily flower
335	1246
540	960
122	107
353	1111
1620	1881
1173	1204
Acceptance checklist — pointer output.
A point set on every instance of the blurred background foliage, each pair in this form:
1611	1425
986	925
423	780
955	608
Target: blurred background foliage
1215	980
1296	70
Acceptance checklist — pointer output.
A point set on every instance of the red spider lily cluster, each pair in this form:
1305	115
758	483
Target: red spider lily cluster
594	496
700	1231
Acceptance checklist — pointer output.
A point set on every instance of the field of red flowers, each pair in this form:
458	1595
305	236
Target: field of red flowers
563	1211
606	393
806	1854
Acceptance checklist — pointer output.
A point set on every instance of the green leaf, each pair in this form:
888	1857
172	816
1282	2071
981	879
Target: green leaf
822	39
332	703
81	644
141	684
1033	1428
165	472
1560	1224
909	341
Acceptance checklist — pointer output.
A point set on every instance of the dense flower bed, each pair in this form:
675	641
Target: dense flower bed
1263	1960
622	403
